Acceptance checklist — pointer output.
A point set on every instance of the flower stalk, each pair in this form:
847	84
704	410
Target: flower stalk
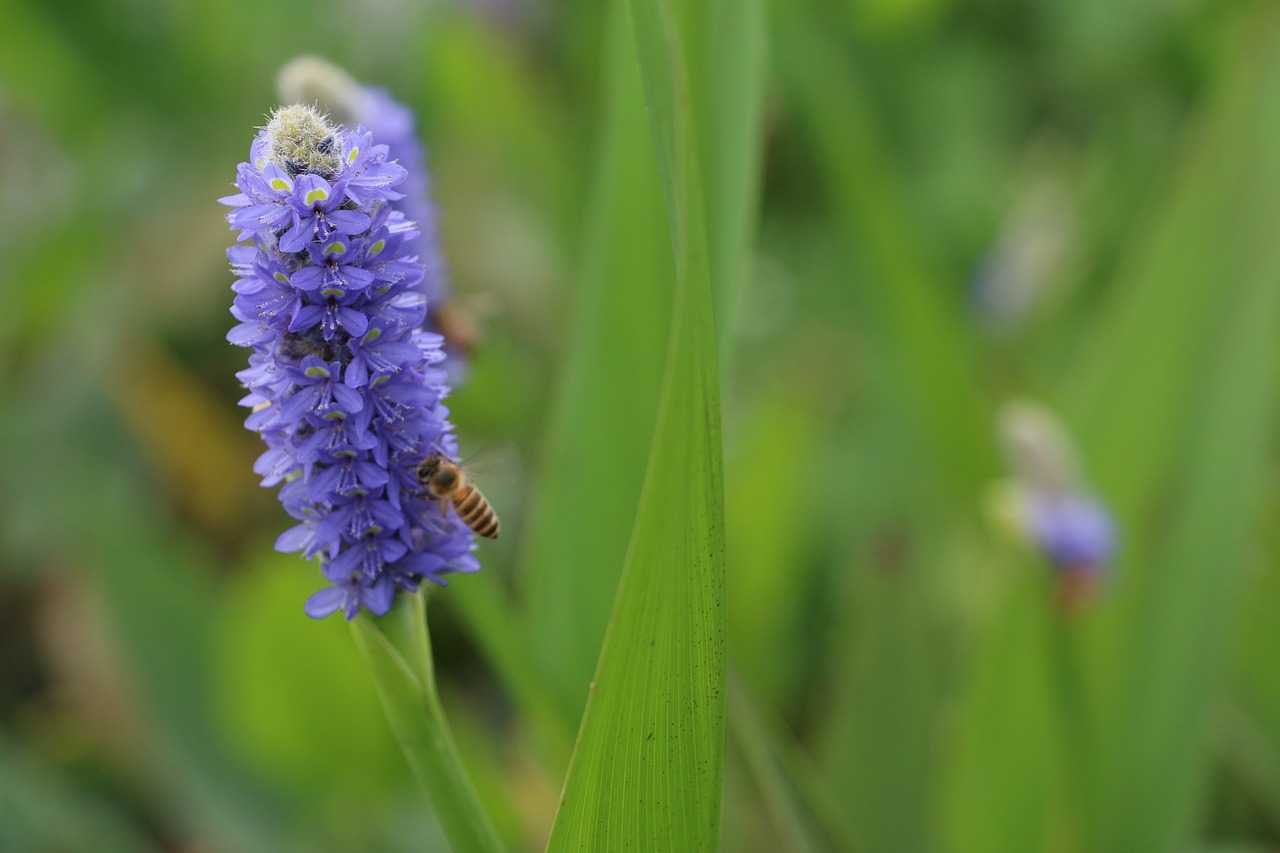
399	658
346	387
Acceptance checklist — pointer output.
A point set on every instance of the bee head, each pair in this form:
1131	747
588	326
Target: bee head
428	467
438	473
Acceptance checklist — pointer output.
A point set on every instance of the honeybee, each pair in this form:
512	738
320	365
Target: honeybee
446	481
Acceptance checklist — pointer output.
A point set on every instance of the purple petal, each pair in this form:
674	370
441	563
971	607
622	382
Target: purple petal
297	237
356	373
378	599
355	322
308	278
393	549
348	399
324	602
345	563
385	514
357	278
422	563
349	221
403	353
371	474
306	317
295	538
248	334
313	191
295	406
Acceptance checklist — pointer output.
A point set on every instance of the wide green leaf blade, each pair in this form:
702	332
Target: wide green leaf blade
593	463
648	765
1176	416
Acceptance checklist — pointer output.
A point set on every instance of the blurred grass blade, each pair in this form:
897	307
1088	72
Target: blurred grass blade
399	659
1177	419
1164	317
882	708
648	765
593	464
730	132
1003	733
1248	751
36	800
1180	628
483	602
805	814
919	330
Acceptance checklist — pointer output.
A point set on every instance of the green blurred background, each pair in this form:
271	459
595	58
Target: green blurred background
960	202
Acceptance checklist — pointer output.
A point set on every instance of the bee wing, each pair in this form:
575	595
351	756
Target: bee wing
490	458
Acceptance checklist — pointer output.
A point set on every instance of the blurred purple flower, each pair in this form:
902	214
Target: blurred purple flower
1075	531
346	388
1070	526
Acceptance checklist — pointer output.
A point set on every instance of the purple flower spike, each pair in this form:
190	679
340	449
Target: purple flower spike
345	386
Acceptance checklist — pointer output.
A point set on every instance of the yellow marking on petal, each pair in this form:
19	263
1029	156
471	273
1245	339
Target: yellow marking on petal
337	247
376	248
353	154
265	404
279	276
317	371
317	194
373	334
280	184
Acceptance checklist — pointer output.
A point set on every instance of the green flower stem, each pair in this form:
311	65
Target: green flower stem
1076	728
397	649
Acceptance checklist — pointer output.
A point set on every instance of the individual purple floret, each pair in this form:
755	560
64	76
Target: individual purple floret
345	386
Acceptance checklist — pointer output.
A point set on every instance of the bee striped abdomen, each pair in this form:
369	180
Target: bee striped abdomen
444	481
475	511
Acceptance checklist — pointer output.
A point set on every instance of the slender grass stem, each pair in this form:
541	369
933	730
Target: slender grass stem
1075	732
399	658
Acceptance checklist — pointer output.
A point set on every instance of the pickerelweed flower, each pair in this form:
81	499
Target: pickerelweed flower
1036	240
345	385
1050	505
